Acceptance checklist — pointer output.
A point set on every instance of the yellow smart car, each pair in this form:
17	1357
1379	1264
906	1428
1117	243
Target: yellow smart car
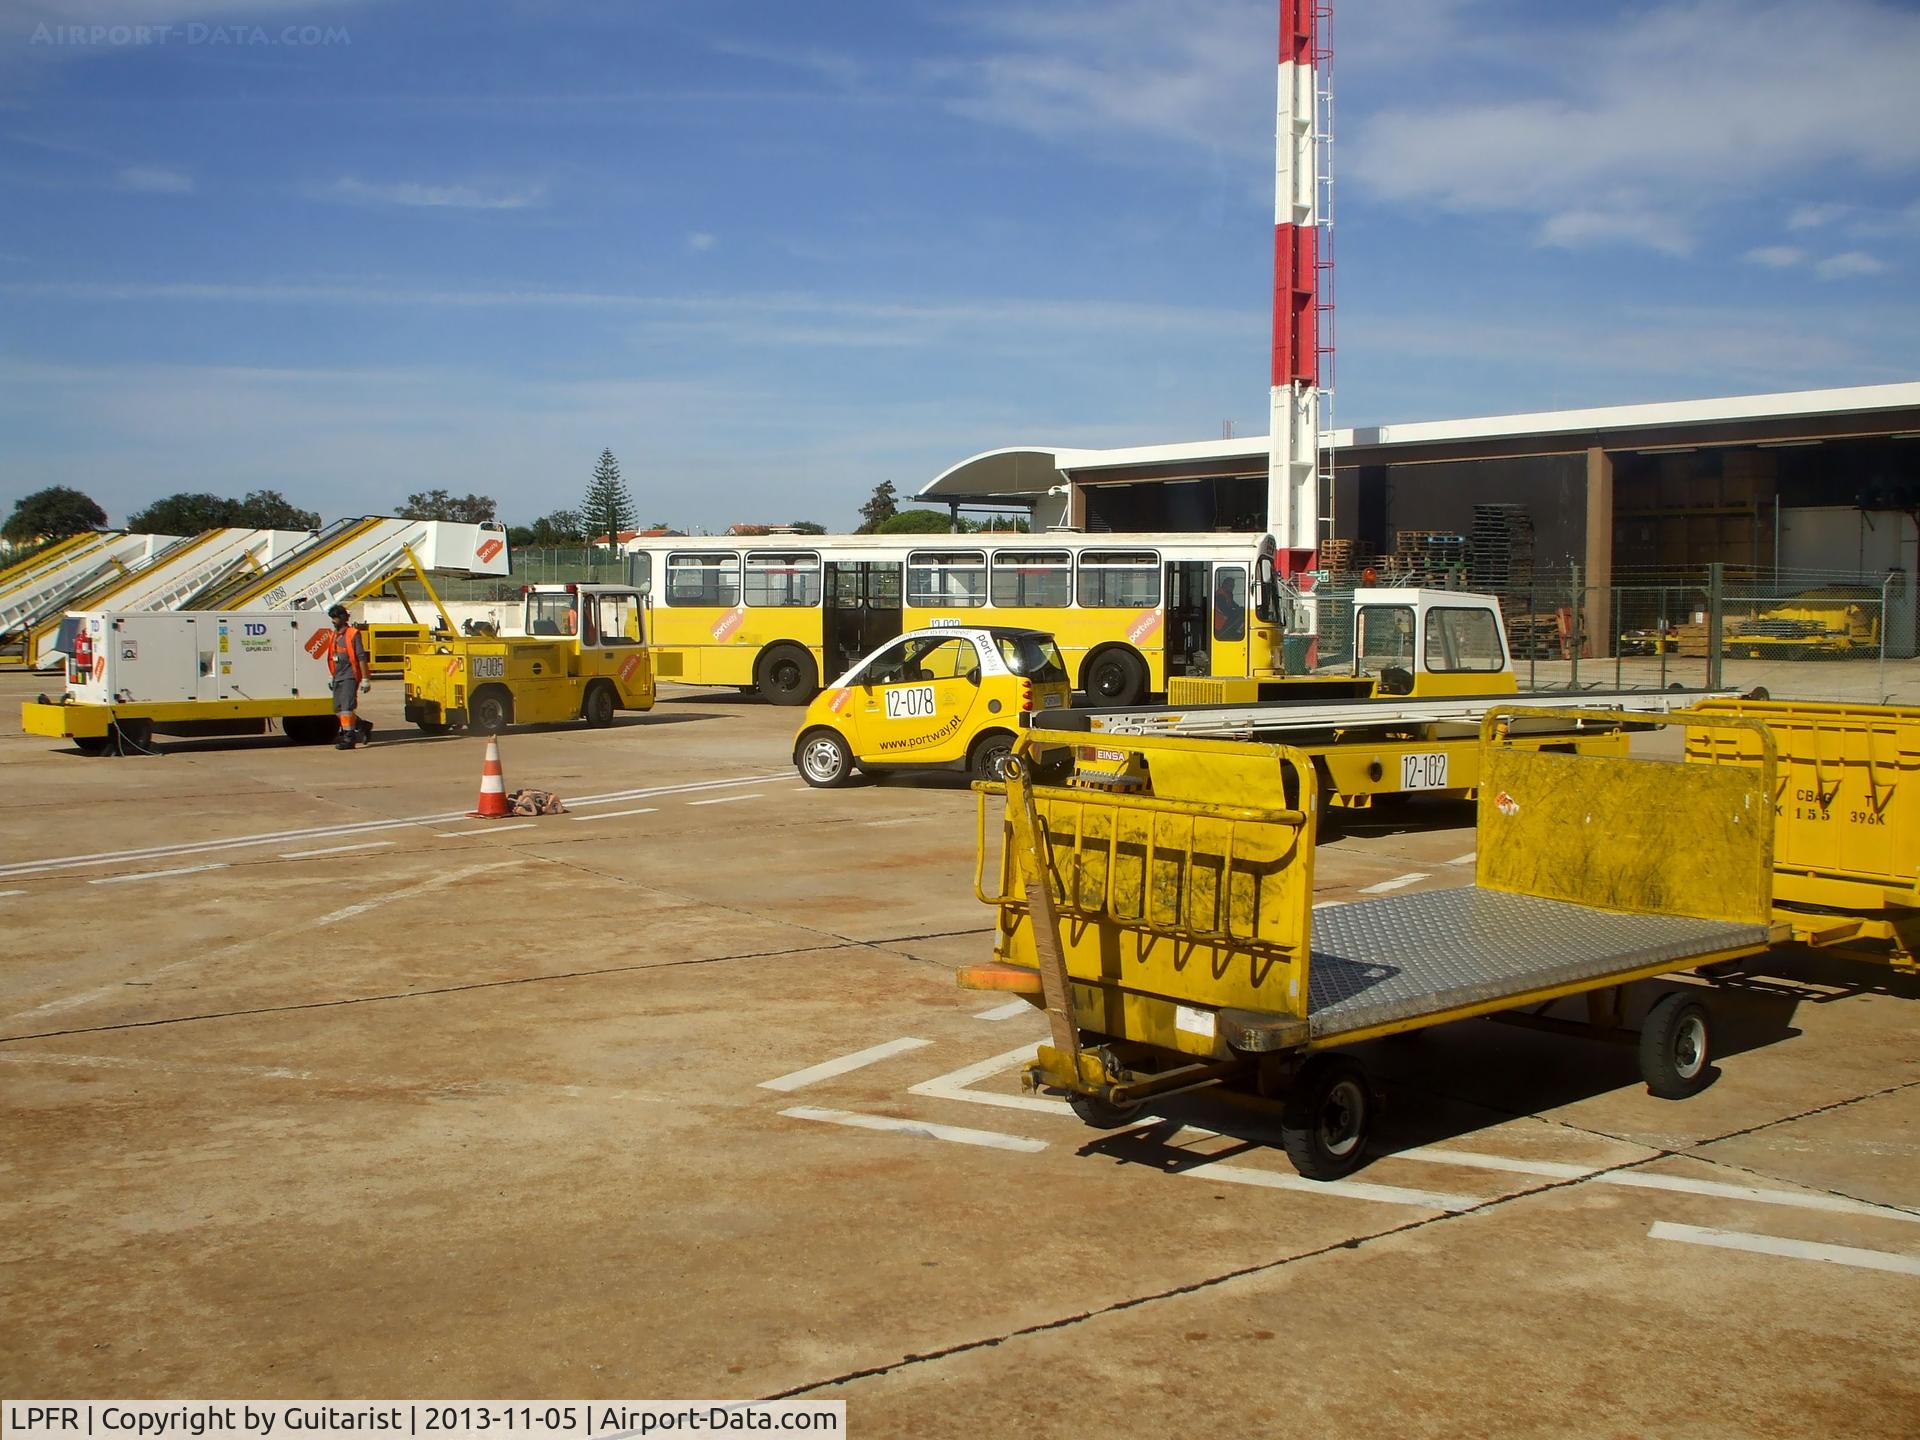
950	698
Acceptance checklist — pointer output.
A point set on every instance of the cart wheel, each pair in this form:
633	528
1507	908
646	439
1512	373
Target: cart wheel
130	736
91	744
600	705
1103	1114
1326	1116
825	760
1675	1044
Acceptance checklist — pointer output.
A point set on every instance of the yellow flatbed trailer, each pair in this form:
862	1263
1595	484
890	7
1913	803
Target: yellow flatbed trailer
1172	941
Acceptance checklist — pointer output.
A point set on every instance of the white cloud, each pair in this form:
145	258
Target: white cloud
1584	229
1813	217
1850	265
153	180
1680	106
700	240
414	194
1776	257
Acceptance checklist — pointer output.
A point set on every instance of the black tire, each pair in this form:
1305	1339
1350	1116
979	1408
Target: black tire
310	729
1103	1114
130	737
92	744
823	759
987	760
1326	1117
489	710
786	675
1114	677
432	727
1676	1047
599	705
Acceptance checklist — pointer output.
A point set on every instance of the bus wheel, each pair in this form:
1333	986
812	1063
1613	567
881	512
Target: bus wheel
824	759
786	675
1114	677
489	709
989	756
599	707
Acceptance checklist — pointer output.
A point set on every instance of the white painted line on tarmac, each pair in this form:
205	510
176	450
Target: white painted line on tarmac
490	830
1472	1160
435	883
1799	1200
1398	882
1009	1011
827	1069
616	814
723	800
335	850
1346	1189
1466	859
1788	1249
23	868
1327	904
901	820
953	1085
154	874
958	1135
5	893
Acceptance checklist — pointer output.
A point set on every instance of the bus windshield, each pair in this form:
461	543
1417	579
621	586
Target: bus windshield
1035	657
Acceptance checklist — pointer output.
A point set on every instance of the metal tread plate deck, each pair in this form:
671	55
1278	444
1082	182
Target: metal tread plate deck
1274	716
1404	956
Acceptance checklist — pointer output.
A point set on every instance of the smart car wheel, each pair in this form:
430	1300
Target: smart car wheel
824	759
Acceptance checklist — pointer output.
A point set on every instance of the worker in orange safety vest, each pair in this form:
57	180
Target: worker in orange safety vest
347	663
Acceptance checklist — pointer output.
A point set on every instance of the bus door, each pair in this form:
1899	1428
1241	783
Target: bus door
1229	609
863	611
1186	635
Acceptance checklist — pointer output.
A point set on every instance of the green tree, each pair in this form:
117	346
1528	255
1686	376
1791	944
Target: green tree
880	507
917	522
440	505
51	514
186	513
270	510
562	527
607	509
808	527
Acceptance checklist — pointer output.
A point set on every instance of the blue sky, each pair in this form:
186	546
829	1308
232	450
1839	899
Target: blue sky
772	253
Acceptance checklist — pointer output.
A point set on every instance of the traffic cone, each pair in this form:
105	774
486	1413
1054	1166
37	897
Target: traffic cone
492	804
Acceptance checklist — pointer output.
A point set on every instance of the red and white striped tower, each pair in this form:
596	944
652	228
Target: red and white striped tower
1293	466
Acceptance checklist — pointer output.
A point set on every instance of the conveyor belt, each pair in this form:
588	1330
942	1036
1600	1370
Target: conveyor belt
1404	956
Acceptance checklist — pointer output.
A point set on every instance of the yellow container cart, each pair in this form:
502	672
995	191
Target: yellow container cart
1172	941
1846	800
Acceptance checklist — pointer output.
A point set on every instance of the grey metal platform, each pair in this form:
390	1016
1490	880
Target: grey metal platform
1402	956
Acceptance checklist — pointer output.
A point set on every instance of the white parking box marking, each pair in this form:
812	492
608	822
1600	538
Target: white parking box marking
1397	883
827	1069
900	820
5	893
1473	1160
1718	1190
437	882
1327	904
1346	1189
953	1085
723	800
955	1134
1787	1249
1466	859
491	830
335	850
1008	1011
616	814
154	874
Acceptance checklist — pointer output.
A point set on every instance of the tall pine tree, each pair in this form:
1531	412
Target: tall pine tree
608	508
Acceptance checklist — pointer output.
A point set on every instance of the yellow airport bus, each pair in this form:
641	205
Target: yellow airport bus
782	614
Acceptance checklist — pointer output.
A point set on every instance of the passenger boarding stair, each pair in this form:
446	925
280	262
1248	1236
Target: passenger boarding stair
357	557
42	585
170	582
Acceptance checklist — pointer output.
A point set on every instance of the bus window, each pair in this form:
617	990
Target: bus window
1031	578
779	577
954	579
1229	602
640	571
1460	638
703	579
1119	579
618	618
1386	638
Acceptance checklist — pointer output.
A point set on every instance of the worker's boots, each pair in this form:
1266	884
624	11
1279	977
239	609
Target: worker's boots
363	730
345	742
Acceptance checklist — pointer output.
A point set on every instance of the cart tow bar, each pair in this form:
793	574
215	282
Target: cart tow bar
1055	986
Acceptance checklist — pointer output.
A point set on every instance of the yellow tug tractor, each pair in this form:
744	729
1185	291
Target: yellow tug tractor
583	657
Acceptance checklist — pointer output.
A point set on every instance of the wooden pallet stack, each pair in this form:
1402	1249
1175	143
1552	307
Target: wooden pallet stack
1345	559
1500	549
1428	557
